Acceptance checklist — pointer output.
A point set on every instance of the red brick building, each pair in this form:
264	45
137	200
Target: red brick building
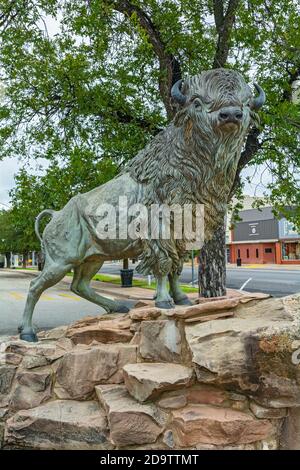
260	238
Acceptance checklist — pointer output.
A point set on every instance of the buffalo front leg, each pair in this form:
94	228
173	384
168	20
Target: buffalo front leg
50	275
83	275
163	298
179	297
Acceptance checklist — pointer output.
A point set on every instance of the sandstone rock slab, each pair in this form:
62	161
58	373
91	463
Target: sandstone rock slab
54	333
252	352
290	438
147	380
3	413
105	331
201	424
205	395
59	425
84	367
10	358
30	389
203	308
50	351
145	313
160	341
233	293
7	373
263	412
130	422
215	316
173	402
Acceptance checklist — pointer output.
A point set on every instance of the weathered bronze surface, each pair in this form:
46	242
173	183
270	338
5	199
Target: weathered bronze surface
193	161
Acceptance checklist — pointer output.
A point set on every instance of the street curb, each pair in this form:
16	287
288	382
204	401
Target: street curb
108	291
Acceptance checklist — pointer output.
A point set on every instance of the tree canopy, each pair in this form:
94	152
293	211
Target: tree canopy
87	83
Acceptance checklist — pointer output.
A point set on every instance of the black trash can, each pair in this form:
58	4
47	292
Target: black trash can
239	262
126	277
1	264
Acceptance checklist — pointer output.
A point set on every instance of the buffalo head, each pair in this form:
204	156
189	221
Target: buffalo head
218	100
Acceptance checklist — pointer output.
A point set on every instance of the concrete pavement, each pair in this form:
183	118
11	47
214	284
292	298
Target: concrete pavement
279	267
57	306
275	281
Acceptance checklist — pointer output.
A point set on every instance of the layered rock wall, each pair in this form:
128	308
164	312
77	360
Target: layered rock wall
222	374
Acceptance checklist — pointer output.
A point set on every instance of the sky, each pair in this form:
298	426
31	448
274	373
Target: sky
10	166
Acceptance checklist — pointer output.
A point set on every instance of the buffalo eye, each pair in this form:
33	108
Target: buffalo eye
197	103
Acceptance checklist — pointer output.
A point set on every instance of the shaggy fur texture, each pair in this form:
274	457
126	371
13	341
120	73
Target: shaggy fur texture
194	160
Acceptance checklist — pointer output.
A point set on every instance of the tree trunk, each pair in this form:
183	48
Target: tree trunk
212	266
40	261
8	259
125	263
25	256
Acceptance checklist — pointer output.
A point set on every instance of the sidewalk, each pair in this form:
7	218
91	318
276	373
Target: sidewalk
286	267
106	288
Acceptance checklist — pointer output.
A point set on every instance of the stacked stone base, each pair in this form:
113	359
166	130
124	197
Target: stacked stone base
221	374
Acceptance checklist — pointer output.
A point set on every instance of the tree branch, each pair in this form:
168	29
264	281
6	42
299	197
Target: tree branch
170	70
126	118
12	11
251	147
218	8
224	24
252	143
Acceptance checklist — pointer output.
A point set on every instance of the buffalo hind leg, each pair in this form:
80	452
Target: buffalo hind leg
179	297
83	275
163	298
51	275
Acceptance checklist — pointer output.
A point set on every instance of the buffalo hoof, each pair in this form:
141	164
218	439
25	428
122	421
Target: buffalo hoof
167	304
30	337
184	301
121	309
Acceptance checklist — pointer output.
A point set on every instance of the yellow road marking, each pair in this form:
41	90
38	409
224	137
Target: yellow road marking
69	296
46	297
17	295
252	265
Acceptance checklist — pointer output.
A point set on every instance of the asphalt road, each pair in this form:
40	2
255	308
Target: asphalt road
277	282
57	306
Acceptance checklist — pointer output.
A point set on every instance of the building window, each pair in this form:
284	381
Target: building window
257	253
239	253
290	251
268	250
247	252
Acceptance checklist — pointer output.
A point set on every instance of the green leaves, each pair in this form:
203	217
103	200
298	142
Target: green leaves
81	85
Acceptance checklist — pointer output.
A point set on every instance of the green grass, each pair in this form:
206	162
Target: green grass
28	267
136	282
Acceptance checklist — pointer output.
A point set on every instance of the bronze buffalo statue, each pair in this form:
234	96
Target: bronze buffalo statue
192	161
